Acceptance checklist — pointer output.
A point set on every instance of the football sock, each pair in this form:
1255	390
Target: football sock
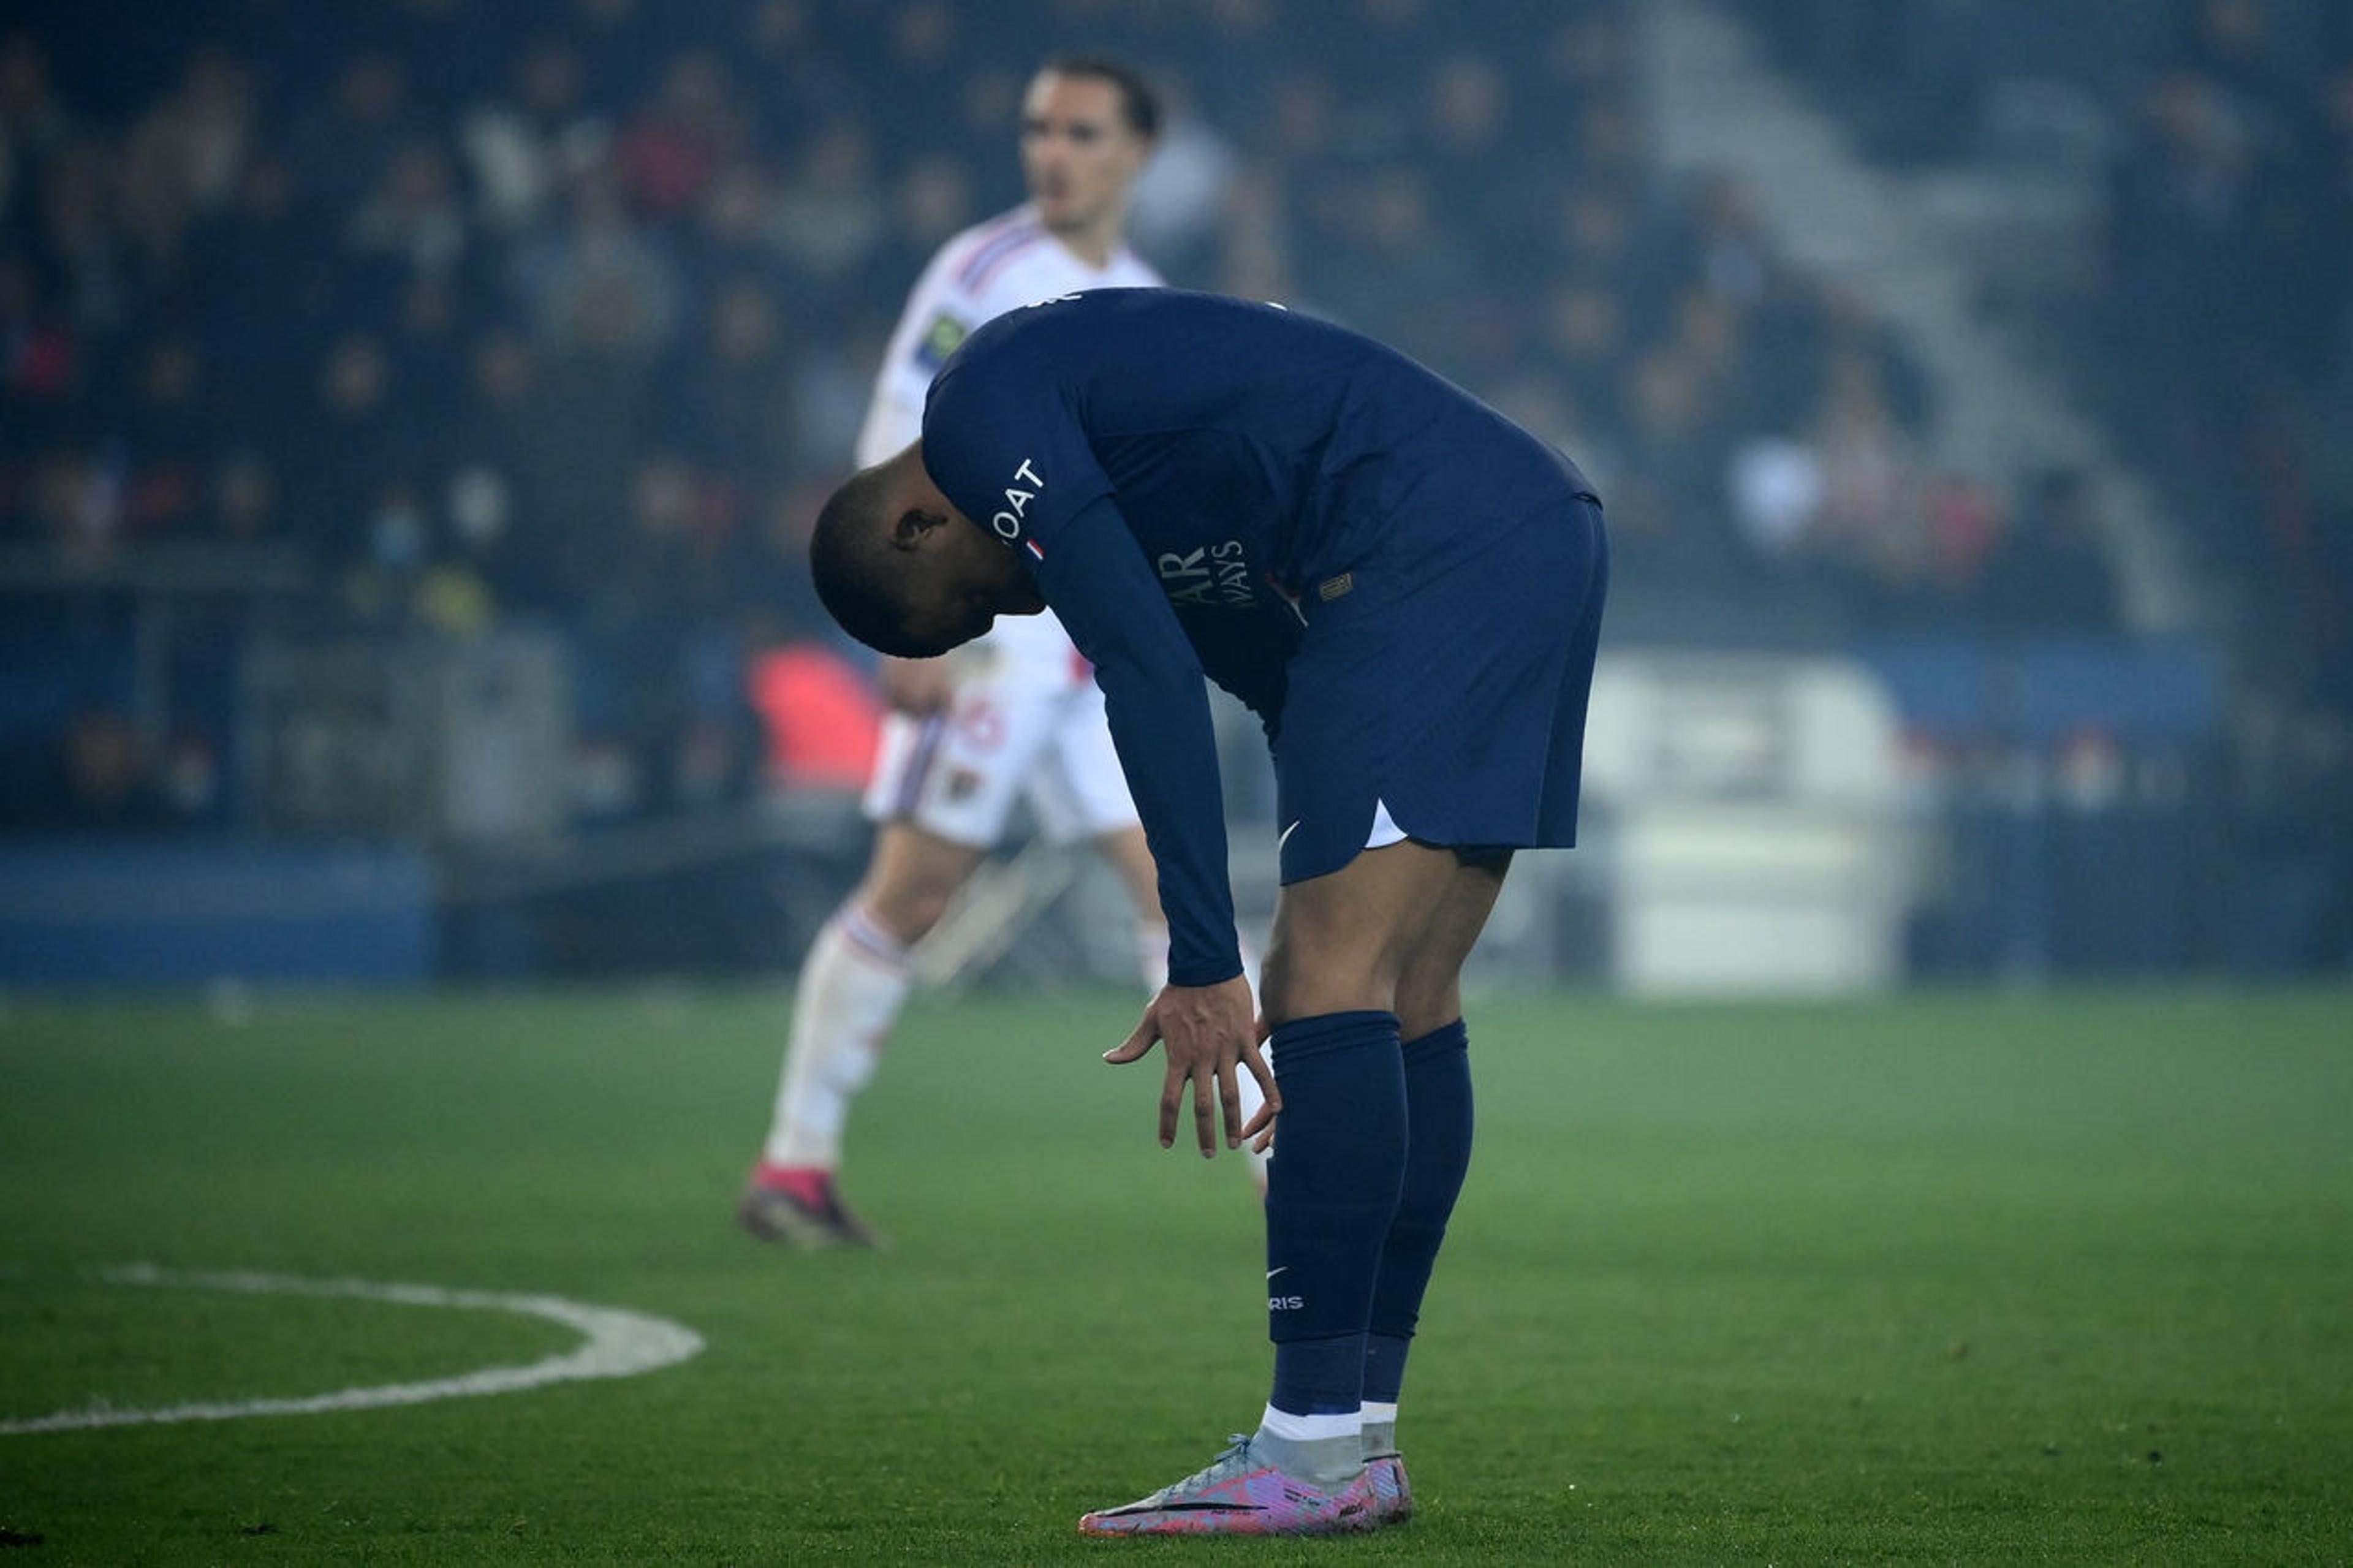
1152	952
1380	1429
1384	1367
1338	1166
1437	1152
852	985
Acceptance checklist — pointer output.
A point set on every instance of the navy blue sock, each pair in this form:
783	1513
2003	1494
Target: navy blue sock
1437	1104
1332	1192
1383	1367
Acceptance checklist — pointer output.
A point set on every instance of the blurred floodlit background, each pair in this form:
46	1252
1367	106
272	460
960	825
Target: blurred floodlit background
411	414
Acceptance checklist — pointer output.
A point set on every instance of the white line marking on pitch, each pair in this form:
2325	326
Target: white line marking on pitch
615	1342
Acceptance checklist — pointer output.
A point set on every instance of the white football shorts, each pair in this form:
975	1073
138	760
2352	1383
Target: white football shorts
1027	718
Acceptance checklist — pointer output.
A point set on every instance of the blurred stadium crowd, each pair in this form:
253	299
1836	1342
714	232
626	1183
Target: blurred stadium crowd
444	315
2214	333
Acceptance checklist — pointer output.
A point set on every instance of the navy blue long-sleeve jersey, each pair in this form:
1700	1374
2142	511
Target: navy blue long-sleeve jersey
1177	469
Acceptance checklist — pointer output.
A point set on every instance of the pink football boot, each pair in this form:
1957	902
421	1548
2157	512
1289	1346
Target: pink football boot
1392	1493
1241	1494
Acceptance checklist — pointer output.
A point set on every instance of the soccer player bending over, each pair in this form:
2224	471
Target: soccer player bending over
1407	588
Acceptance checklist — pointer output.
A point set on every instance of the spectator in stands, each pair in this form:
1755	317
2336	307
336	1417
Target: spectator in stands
163	438
186	155
354	436
1667	513
932	200
522	150
98	781
255	282
830	217
40	359
266	264
346	143
732	399
2051	572
733	235
601	283
411	218
82	245
2183	193
241	504
33	126
1869	523
2229	44
671	150
1584	326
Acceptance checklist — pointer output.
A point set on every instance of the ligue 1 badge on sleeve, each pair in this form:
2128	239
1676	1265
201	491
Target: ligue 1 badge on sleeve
941	338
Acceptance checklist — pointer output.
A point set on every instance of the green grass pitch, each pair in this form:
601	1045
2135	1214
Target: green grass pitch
1953	1278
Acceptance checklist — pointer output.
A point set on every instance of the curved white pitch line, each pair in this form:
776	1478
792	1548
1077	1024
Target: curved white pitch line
615	1342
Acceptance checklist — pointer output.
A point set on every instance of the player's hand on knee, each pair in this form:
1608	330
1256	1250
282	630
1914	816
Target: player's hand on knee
917	686
1209	1035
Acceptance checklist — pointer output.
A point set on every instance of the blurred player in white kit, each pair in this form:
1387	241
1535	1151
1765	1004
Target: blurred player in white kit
1015	714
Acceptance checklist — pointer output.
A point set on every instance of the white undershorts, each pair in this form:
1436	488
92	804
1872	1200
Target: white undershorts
1026	720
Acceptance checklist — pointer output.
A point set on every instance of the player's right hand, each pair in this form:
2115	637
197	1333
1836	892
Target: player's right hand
919	687
1210	1035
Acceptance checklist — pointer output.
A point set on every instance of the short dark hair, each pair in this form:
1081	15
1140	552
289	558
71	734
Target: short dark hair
849	563
1138	104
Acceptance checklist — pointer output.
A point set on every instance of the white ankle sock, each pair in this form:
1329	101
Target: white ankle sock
1326	1449
852	985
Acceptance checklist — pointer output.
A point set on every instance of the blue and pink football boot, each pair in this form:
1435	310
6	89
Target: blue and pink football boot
1241	1493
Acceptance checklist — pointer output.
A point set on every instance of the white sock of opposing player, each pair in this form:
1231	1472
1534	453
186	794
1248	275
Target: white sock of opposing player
852	985
1253	1097
1152	952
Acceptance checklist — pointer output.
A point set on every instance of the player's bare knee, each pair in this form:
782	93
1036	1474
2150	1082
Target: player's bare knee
1428	1000
907	907
1306	979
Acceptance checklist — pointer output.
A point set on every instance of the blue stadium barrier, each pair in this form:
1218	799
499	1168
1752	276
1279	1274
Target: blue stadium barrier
108	912
2078	802
2144	693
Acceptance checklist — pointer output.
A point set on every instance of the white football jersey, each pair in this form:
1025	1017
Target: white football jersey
990	268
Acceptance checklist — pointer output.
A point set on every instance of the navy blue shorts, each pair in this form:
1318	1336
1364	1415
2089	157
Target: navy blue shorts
1452	690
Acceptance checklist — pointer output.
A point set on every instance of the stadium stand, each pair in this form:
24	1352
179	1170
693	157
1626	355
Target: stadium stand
438	320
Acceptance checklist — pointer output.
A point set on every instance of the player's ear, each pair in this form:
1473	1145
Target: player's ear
915	527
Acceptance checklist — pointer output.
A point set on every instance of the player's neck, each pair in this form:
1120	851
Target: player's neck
1094	243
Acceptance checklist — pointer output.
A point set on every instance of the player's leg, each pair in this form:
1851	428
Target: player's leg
942	788
1459	699
1437	1152
1342	944
1126	852
852	985
1078	791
